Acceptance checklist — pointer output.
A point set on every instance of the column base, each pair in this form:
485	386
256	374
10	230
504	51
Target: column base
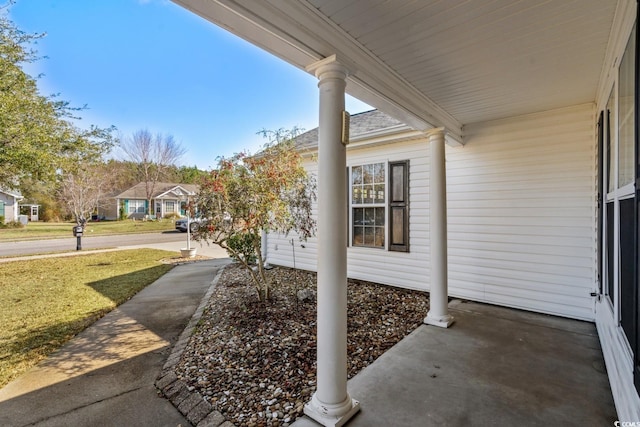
440	321
328	417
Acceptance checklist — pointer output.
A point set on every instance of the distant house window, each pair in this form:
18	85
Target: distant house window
380	205
136	206
170	207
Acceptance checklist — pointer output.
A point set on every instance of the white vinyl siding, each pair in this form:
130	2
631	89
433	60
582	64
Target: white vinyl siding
521	215
521	206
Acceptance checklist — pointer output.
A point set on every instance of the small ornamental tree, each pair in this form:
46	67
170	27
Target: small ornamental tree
270	191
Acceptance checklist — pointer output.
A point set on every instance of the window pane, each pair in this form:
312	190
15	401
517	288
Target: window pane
379	193
379	217
356	175
356	194
369	216
368	174
397	235
368	236
368	193
379	237
626	88
358	216
358	236
611	117
378	171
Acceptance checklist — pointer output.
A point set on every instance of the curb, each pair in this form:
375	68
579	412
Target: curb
190	403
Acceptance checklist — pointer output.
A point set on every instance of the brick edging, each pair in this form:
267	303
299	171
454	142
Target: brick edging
191	404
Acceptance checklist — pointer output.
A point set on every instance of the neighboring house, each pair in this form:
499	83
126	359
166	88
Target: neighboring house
167	198
9	204
31	211
532	204
107	208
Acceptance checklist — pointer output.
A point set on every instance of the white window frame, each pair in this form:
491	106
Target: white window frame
383	205
137	204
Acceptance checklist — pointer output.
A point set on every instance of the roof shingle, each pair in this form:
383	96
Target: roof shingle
360	123
138	191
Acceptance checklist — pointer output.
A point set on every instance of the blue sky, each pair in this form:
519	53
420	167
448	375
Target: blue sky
150	64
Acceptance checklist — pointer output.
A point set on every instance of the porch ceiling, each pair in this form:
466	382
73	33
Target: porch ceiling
438	62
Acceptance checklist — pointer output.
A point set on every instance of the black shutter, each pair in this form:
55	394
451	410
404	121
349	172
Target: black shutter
636	243
399	206
600	198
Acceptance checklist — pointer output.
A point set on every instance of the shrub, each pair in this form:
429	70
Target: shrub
243	245
246	195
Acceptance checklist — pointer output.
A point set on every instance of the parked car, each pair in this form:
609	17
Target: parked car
194	224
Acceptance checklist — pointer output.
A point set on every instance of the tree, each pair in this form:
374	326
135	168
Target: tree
189	174
153	156
82	189
37	138
82	182
122	175
270	191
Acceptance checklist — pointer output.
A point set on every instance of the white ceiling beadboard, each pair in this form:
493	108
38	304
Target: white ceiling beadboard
438	62
482	60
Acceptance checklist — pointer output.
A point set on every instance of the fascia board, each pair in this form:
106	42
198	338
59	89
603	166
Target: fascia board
376	138
171	190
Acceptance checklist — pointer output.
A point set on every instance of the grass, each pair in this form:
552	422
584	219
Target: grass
51	230
46	302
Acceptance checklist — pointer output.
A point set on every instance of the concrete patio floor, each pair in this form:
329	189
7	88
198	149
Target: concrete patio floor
493	367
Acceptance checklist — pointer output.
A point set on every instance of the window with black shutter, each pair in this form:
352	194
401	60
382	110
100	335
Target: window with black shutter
379	204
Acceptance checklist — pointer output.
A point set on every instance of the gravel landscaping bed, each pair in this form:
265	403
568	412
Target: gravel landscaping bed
256	363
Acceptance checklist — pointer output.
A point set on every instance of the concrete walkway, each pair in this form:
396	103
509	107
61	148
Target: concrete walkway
493	367
105	376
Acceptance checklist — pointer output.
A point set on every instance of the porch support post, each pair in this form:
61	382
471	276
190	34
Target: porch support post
438	314
331	405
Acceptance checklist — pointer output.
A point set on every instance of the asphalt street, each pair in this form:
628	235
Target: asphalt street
30	247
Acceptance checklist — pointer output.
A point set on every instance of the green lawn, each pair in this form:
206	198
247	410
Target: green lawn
46	302
51	230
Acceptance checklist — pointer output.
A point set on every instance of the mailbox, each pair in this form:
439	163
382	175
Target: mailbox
77	230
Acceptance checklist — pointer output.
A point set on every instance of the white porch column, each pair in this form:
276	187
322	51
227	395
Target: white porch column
438	314
331	405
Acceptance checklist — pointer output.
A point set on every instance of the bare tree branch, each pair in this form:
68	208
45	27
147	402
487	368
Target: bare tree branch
153	155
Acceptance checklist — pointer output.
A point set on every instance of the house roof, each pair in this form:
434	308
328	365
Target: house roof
361	124
163	190
14	193
436	63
